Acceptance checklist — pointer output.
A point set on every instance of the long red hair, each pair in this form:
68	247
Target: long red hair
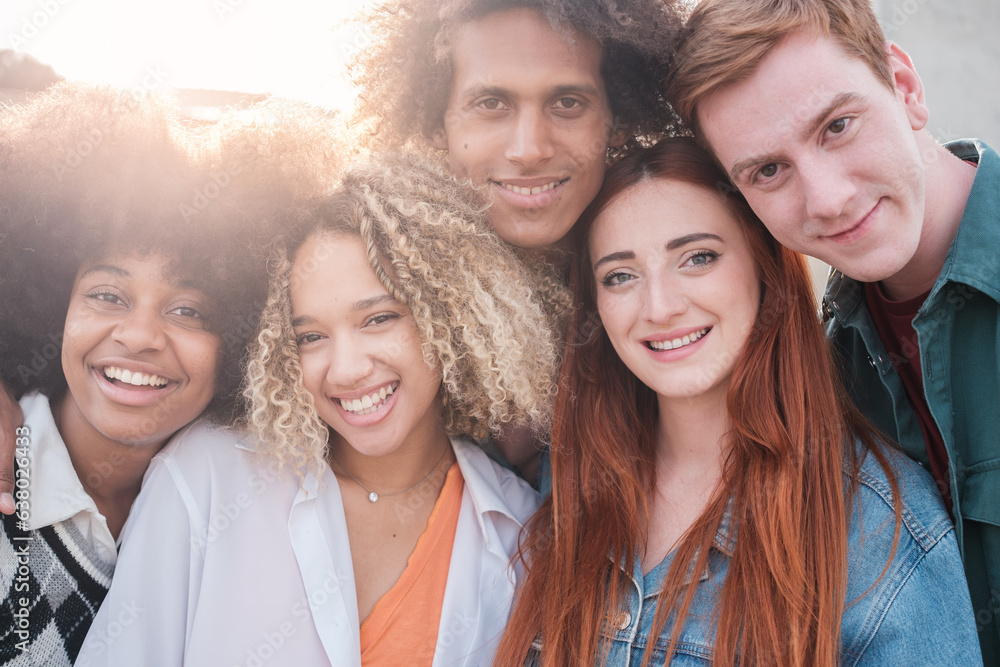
793	429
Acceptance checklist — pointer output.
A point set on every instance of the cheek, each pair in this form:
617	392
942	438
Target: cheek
616	316
780	212
590	156
202	358
313	373
79	336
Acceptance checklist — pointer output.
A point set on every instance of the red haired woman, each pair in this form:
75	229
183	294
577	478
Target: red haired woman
716	498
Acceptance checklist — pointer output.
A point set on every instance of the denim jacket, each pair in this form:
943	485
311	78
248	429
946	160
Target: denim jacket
958	329
917	613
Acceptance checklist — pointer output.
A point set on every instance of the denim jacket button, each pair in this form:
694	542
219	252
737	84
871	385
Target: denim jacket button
622	620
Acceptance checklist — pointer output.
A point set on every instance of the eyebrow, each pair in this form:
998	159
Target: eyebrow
373	301
676	243
364	304
682	241
568	89
614	257
814	125
302	320
176	283
106	268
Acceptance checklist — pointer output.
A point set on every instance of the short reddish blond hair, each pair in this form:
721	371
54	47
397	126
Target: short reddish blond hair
725	40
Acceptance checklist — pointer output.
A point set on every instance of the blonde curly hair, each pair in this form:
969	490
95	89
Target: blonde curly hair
478	317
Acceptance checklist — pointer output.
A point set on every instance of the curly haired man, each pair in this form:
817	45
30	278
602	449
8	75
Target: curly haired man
530	98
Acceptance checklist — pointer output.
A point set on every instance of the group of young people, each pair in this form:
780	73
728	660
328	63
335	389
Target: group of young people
282	410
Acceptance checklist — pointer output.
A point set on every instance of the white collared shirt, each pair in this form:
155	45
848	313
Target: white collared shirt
55	491
226	564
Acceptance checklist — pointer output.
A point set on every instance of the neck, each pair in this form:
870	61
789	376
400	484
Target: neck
396	471
691	435
110	471
949	180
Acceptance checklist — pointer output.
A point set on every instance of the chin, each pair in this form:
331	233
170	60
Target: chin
527	234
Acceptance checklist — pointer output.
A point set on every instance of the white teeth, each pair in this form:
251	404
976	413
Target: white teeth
134	378
677	342
530	191
370	402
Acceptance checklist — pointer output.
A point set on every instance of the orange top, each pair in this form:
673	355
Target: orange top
404	621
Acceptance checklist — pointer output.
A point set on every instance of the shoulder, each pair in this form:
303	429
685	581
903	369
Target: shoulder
917	581
494	489
925	520
206	458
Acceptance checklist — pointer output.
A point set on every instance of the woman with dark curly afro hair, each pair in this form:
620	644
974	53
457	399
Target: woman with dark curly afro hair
128	290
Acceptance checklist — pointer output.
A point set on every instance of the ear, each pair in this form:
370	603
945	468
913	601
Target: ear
909	88
438	139
620	133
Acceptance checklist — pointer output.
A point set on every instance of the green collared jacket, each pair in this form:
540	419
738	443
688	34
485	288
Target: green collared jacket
958	329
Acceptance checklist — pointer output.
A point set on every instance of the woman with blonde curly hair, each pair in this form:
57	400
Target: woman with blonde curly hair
398	326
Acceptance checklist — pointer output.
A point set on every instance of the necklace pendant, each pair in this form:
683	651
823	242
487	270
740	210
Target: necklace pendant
373	496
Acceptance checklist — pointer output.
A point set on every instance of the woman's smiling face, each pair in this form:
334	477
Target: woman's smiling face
361	355
139	360
677	287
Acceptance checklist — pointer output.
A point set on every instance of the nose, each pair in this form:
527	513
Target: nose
827	190
140	330
663	300
530	140
349	363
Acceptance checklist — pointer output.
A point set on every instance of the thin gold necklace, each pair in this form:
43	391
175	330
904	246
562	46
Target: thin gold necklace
372	496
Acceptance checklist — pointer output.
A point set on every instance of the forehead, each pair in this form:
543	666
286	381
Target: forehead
519	46
147	267
331	268
781	99
657	210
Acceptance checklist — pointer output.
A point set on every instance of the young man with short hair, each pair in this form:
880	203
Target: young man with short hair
820	124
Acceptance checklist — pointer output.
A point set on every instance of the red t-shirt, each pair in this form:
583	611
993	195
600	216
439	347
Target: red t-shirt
894	322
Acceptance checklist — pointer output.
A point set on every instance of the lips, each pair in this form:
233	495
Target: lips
858	230
132	387
134	378
676	343
530	189
370	402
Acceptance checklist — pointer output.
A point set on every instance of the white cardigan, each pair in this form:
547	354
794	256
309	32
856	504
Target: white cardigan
223	564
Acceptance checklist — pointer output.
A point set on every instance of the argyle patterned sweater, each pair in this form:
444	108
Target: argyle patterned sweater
53	583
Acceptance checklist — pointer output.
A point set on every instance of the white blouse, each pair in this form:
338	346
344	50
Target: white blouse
225	563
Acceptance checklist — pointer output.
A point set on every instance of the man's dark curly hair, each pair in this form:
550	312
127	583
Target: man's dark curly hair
405	75
87	172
